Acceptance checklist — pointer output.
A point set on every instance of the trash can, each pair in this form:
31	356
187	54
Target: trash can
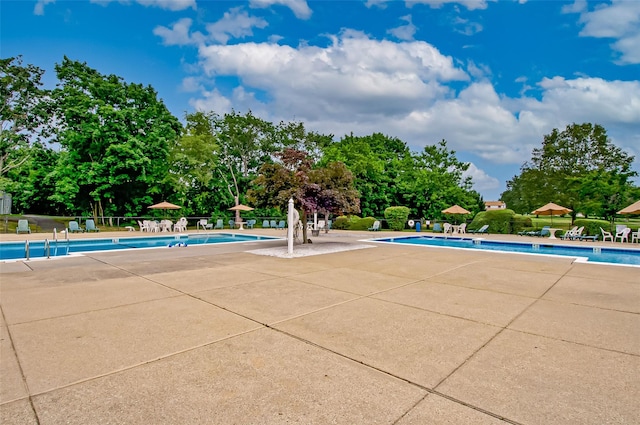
417	226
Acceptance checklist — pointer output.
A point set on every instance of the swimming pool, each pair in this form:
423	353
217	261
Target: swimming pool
63	247
624	256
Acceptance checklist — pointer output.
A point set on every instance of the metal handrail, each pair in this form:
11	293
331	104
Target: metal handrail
26	249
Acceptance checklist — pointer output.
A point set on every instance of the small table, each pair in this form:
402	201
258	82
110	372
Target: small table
240	224
552	233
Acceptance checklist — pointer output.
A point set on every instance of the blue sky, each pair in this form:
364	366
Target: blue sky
490	77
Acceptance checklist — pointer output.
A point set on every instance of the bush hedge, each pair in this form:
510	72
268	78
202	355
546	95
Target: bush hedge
352	222
499	221
396	217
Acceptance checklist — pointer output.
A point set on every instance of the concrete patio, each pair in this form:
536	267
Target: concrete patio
379	335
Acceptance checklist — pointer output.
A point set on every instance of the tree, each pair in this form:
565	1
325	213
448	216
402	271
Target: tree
117	136
23	110
434	181
376	162
579	168
194	166
328	189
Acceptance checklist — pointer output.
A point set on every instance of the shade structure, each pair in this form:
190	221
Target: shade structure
552	209
241	207
164	205
455	209
631	209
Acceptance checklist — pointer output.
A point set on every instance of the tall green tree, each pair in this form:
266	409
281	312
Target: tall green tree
376	161
436	181
23	110
117	136
194	165
579	168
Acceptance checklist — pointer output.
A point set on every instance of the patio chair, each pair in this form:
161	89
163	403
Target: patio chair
541	233
578	234
481	230
281	224
606	235
250	224
74	227
593	238
635	237
90	226
462	228
375	227
437	227
447	228
623	235
570	233
144	225
219	224
181	225
204	224
273	224
23	227
265	224
232	224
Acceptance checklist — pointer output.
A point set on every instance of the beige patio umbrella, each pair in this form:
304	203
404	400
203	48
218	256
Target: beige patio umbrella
552	209
455	209
238	208
631	209
164	205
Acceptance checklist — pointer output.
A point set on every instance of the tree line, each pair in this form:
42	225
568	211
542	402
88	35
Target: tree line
96	145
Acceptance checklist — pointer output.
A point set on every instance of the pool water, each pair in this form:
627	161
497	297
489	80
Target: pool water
63	247
626	256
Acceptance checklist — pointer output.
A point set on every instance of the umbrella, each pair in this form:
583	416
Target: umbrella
456	209
631	209
552	209
164	205
239	208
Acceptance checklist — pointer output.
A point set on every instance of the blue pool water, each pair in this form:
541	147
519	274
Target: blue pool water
626	256
37	249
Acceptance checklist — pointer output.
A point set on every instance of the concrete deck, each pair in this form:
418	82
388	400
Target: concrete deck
382	335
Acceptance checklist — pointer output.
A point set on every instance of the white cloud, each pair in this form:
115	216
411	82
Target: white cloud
481	180
619	20
300	8
466	27
178	34
469	4
377	3
38	9
404	32
173	5
411	91
235	23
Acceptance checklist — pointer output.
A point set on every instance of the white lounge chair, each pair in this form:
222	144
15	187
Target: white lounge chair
375	227
569	234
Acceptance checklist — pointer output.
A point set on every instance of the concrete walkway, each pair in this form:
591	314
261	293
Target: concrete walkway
377	335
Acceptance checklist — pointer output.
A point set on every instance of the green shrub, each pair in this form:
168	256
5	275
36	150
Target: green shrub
351	222
520	223
591	226
341	223
362	224
499	221
396	217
